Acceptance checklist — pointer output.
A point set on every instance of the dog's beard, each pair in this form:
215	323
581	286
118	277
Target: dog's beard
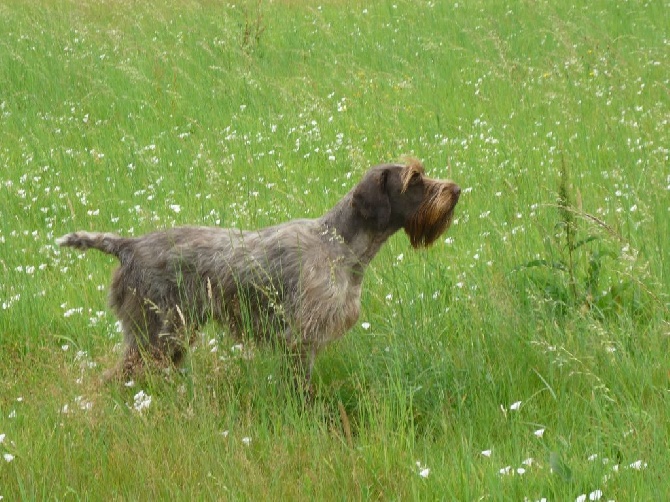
431	220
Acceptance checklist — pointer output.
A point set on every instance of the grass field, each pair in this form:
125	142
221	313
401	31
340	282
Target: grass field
523	357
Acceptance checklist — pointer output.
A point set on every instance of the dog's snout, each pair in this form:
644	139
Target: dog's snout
452	189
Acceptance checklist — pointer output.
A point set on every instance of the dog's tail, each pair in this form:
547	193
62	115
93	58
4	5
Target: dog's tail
105	242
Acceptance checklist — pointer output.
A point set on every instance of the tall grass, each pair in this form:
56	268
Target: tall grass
525	356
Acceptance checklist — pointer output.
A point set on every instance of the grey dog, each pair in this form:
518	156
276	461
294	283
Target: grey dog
298	282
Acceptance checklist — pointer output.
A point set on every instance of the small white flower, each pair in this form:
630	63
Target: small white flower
539	433
505	470
142	401
246	440
12	414
595	495
637	465
487	453
400	257
2	438
8	457
130	383
224	434
581	498
423	470
521	471
365	325
515	406
175	207
83	403
529	461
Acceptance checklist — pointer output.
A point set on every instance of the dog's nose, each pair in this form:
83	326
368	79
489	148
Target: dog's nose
456	190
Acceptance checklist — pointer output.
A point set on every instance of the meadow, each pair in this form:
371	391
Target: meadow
523	357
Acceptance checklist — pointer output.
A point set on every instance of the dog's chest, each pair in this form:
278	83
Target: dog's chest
346	286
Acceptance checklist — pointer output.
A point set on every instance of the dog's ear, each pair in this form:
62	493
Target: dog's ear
371	199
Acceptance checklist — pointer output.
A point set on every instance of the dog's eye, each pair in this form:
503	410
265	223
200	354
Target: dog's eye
415	178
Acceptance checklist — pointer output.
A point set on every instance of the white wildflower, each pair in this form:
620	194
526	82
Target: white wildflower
424	471
142	401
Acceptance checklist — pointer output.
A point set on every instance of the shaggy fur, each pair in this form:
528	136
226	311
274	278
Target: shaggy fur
297	282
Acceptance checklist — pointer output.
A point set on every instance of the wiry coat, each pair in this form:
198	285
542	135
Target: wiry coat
298	282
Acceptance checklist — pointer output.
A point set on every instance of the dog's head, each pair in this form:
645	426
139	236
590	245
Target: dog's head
394	196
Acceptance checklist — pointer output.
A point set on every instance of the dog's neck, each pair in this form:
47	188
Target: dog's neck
358	236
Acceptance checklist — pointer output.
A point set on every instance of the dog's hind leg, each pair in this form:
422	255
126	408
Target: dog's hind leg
178	333
141	322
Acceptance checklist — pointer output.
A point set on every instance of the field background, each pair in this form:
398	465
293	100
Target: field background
524	356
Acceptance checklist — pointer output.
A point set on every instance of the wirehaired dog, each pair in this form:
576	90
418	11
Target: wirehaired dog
297	282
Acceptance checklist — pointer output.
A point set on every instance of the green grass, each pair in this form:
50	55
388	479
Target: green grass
551	288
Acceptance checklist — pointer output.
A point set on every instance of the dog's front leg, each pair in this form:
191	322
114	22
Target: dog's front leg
302	356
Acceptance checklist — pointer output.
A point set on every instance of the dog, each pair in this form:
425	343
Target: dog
297	283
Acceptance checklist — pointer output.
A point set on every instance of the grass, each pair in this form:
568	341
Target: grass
549	290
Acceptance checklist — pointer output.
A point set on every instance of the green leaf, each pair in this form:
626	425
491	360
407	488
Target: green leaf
559	467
